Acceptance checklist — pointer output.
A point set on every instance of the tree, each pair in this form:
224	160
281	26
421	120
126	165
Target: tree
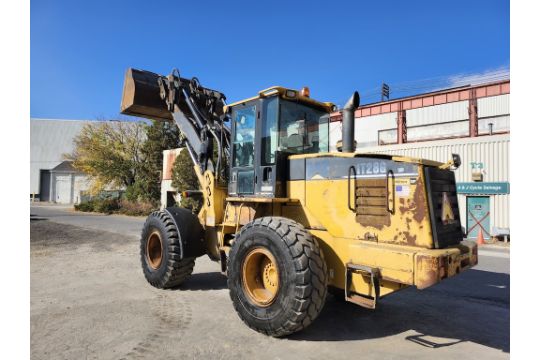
125	154
160	135
109	152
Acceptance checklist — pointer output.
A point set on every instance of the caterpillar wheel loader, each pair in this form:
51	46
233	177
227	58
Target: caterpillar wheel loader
287	219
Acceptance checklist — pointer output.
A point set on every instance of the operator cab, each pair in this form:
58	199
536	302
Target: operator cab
265	130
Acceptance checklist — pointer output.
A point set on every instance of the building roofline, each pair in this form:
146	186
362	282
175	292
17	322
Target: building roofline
83	120
438	97
436	92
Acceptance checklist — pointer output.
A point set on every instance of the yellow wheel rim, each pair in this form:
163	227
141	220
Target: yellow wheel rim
154	252
260	276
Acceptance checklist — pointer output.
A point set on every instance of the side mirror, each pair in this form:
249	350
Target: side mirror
453	164
456	159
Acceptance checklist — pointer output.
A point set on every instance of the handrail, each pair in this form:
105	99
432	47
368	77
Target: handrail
349	188
393	210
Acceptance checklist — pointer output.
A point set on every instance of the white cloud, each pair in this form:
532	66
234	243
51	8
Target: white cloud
487	76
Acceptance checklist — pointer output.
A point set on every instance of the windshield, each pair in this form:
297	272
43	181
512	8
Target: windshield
294	128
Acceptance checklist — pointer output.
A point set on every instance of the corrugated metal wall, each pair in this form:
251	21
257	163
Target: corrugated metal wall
494	105
494	110
49	139
366	129
430	122
434	131
492	151
438	113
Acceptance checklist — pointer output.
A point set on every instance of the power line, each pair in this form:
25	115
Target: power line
410	87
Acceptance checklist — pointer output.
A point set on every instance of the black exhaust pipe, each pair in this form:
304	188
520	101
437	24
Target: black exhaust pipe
347	123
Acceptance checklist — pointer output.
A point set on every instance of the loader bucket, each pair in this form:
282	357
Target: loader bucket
140	96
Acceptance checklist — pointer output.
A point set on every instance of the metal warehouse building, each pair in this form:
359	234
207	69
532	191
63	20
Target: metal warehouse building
51	178
472	121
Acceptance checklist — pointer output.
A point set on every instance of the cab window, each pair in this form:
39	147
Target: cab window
302	129
269	138
244	122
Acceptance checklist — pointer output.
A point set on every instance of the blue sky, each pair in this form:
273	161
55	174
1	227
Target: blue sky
81	49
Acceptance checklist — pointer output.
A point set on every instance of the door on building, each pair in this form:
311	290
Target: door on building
44	185
63	189
478	216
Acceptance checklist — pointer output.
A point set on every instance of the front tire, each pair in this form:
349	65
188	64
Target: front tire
277	276
161	257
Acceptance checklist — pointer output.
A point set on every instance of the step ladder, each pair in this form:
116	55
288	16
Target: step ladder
374	276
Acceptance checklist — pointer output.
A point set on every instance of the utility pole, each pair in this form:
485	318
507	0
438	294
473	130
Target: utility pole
385	92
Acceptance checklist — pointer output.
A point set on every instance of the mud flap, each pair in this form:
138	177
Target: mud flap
190	231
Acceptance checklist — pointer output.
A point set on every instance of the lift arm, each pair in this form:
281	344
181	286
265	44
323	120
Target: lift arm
197	111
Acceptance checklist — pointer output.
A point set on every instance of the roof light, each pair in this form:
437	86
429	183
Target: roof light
268	92
290	93
304	91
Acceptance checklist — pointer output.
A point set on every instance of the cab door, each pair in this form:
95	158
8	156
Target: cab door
266	163
244	118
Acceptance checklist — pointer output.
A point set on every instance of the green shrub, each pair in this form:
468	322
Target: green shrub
136	208
134	192
116	206
87	206
107	206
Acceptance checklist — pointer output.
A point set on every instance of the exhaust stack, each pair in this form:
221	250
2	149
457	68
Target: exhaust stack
347	125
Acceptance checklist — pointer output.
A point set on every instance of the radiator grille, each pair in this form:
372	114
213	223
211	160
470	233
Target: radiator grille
371	202
445	223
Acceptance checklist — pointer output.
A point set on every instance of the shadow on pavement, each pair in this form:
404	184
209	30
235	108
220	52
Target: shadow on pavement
204	281
472	307
36	218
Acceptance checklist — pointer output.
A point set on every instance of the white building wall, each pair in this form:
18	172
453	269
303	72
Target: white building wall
494	105
366	129
335	134
438	113
49	140
494	110
492	151
437	121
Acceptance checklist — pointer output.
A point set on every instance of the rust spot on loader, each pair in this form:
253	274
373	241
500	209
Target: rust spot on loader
408	221
427	271
411	239
419	205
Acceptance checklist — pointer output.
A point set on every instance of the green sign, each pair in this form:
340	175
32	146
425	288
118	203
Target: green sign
488	188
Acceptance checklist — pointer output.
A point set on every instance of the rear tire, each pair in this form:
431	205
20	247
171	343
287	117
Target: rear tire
298	272
161	254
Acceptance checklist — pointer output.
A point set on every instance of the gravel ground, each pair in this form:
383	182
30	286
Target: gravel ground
89	300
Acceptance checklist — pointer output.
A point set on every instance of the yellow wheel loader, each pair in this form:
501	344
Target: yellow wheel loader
287	219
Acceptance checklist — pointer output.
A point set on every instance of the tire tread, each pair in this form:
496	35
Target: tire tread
310	278
178	269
